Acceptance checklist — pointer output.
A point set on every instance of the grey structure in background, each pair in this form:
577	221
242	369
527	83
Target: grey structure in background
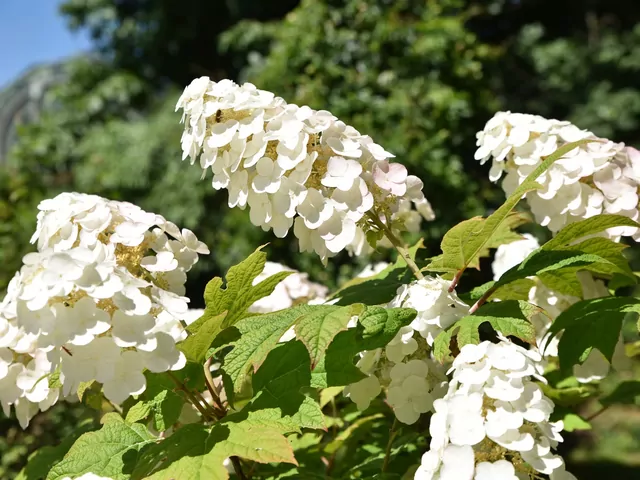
23	100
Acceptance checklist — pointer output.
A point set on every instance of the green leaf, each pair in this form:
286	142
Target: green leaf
563	281
566	281
158	401
380	288
318	328
328	394
381	323
542	262
456	254
516	290
54	379
258	336
83	388
225	306
344	435
573	422
282	384
503	234
110	452
201	335
197	452
138	412
376	290
569	396
626	392
589	226
240	293
511	318
90	394
463	245
41	461
376	328
591	324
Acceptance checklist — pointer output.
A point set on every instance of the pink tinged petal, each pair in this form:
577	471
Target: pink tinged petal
397	173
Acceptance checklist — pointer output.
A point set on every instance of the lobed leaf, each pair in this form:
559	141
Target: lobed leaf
464	244
226	306
516	290
159	402
201	335
42	460
259	335
240	293
589	226
511	318
281	391
596	255
376	328
109	452
197	452
569	396
317	329
591	324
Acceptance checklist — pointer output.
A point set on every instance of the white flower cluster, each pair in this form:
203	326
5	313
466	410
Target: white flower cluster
598	177
437	308
494	420
296	167
101	300
595	367
412	378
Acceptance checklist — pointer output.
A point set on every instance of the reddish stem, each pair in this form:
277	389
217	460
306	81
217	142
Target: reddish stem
482	300
456	279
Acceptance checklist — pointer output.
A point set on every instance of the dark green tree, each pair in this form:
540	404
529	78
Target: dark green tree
408	73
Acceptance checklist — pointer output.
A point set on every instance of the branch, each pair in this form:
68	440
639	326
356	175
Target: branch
209	382
194	401
387	453
237	466
598	413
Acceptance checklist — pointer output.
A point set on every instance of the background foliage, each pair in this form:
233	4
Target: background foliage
420	76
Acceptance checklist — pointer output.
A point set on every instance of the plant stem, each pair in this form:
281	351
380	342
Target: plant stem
238	468
212	410
397	243
456	279
208	380
116	407
387	453
482	300
205	414
598	413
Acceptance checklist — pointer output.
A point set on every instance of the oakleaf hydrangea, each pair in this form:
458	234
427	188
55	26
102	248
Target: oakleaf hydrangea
101	300
598	177
295	167
596	366
494	420
412	379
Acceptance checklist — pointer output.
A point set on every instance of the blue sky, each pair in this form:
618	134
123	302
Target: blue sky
32	31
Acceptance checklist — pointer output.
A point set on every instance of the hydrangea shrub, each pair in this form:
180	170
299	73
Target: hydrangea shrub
406	371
